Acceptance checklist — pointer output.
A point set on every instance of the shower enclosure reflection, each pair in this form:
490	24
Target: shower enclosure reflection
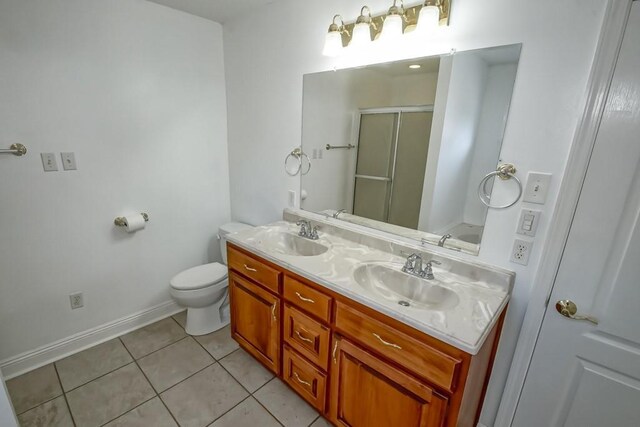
422	137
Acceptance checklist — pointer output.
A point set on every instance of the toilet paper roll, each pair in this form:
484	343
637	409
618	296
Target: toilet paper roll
134	223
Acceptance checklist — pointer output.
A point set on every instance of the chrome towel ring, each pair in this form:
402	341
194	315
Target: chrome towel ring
504	172
297	154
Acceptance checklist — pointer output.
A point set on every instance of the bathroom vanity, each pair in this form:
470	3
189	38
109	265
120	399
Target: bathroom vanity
344	327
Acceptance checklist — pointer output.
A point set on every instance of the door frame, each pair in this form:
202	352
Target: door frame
601	76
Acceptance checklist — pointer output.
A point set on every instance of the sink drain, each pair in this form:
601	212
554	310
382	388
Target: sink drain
404	303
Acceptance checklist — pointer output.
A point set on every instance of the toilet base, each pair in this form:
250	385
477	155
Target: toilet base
202	321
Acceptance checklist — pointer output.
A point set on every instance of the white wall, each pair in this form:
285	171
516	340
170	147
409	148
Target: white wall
137	91
489	134
455	153
265	64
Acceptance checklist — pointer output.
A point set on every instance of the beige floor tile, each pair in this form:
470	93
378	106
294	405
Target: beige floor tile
109	396
153	337
89	364
218	343
54	413
246	370
33	388
181	318
199	400
247	414
321	422
174	363
150	414
285	405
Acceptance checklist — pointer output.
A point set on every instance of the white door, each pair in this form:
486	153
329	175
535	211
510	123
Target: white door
584	374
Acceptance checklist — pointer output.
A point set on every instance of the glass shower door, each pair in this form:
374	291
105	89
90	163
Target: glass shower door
390	170
374	168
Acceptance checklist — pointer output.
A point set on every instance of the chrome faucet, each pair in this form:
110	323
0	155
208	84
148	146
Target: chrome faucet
338	212
413	266
443	239
307	231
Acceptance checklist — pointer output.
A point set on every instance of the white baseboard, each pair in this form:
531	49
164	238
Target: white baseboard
25	362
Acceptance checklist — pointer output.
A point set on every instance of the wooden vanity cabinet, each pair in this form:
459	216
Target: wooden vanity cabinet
366	391
255	324
356	366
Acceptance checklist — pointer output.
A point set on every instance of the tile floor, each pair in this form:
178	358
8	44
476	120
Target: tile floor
159	376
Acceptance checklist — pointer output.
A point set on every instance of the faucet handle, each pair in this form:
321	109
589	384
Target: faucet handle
428	270
313	233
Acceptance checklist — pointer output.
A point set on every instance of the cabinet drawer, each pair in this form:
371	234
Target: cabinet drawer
307	298
305	378
254	269
307	336
425	361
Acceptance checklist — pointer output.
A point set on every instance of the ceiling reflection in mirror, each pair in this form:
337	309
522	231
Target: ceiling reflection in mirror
402	146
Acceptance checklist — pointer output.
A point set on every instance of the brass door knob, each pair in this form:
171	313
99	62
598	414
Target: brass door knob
569	309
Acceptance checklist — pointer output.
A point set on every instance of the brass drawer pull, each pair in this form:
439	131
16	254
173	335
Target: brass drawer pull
335	348
303	338
273	311
305	299
386	342
300	380
246	267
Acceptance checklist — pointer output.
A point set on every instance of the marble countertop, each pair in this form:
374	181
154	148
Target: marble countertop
465	325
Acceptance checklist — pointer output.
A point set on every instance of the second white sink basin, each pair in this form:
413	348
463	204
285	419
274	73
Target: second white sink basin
389	282
290	244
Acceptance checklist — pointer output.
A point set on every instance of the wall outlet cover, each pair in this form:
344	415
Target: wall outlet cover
49	162
528	222
77	300
521	251
68	161
537	187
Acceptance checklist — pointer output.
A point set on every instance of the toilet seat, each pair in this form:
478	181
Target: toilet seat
200	277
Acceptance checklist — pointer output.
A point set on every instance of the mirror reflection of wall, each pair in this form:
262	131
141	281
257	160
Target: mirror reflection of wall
424	132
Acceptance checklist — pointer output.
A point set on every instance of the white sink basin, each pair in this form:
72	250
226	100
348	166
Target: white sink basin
390	283
290	244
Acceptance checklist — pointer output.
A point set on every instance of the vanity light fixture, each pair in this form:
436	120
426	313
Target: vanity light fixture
399	20
362	29
392	26
333	40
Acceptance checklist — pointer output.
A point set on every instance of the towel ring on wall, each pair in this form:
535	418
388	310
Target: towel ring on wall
297	154
504	172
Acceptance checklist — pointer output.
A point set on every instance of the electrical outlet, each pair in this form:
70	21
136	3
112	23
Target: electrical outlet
77	300
521	251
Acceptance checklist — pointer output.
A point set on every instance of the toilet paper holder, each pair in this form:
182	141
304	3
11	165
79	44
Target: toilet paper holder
121	222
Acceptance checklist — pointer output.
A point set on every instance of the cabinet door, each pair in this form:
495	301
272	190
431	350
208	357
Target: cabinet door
255	320
368	392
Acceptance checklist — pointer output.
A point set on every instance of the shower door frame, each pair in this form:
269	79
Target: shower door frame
396	134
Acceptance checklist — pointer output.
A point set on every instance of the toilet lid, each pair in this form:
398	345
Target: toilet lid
200	276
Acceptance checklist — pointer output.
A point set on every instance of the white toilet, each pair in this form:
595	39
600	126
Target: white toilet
204	289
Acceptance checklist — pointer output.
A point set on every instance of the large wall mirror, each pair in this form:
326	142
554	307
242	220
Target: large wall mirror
402	146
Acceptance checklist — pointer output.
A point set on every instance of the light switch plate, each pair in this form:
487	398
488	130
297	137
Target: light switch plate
537	187
68	161
49	162
528	222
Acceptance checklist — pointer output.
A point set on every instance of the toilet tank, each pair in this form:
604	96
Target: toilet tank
224	231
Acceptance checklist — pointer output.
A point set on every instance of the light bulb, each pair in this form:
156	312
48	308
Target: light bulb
391	28
361	35
332	44
428	19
